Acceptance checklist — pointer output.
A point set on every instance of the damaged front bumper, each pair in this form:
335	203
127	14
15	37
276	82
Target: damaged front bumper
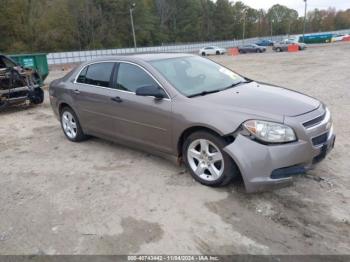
266	167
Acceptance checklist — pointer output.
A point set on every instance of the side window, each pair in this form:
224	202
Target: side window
99	74
131	77
81	77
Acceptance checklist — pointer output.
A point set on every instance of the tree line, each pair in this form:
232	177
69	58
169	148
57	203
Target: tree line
65	25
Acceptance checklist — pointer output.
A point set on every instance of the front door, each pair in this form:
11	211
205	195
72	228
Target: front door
140	119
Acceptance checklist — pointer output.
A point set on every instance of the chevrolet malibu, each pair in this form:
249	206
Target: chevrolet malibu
219	123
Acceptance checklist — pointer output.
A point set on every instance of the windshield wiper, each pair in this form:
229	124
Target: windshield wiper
236	84
203	93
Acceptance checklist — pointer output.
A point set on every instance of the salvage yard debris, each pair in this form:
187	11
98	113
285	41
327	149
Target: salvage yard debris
18	84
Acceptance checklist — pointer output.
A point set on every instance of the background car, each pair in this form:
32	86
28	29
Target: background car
283	45
252	48
339	37
264	42
212	50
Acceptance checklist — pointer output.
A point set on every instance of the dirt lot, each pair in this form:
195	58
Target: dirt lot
97	197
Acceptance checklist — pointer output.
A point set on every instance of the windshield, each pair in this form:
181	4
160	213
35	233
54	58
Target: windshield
195	75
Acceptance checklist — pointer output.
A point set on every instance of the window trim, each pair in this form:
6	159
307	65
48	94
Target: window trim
116	67
87	70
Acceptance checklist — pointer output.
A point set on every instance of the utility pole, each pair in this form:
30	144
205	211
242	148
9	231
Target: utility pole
304	21
289	25
132	25
244	16
271	27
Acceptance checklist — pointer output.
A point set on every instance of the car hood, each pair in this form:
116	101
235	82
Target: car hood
262	99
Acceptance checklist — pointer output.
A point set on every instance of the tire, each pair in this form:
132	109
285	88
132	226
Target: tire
203	54
241	51
3	104
200	151
258	50
217	53
71	126
36	96
278	49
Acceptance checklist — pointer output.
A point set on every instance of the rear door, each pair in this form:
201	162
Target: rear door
93	95
140	119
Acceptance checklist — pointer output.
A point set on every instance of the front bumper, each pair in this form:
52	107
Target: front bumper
272	166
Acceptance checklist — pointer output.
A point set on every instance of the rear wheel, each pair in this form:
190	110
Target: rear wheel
217	53
71	126
207	162
278	49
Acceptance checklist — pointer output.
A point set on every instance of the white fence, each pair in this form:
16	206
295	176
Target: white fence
83	56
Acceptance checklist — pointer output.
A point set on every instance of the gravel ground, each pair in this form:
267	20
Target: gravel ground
97	197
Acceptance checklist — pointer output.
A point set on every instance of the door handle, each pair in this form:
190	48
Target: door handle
117	99
76	91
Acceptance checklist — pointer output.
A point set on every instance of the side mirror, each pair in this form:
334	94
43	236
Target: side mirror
155	91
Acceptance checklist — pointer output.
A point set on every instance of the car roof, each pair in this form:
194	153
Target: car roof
142	57
159	56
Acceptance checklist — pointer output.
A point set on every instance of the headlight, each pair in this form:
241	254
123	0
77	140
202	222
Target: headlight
270	132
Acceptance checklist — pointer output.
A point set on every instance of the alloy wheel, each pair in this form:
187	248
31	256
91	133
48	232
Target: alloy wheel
205	159
69	125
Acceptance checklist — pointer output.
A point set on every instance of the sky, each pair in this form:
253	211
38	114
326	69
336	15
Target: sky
299	4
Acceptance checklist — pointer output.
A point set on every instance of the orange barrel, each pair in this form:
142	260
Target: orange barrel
233	51
293	48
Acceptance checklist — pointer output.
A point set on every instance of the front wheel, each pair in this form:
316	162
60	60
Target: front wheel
71	126
203	54
207	162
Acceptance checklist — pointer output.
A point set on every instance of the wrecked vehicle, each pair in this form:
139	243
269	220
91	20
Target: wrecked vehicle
220	124
18	84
